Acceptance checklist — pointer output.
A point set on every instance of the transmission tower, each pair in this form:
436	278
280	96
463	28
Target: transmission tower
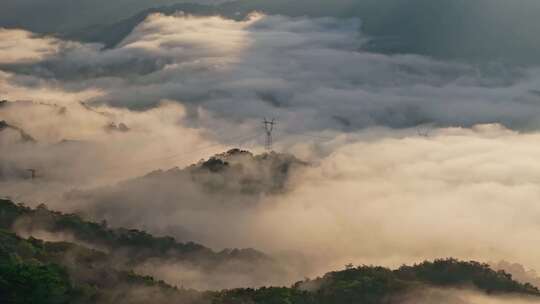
269	127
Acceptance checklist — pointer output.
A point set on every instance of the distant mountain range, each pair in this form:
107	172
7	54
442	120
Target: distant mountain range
60	16
478	31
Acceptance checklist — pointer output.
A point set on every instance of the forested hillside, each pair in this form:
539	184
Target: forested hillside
36	271
128	248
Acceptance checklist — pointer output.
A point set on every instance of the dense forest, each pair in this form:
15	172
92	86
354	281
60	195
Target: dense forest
127	248
36	271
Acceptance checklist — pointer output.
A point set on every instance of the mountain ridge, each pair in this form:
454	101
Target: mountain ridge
394	27
66	272
34	271
229	181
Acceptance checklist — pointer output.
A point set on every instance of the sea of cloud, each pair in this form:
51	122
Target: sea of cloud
180	88
312	74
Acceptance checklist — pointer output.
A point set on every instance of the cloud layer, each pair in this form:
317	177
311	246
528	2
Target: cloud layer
18	46
465	193
312	74
181	87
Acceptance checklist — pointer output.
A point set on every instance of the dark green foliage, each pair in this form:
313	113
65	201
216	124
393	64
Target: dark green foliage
34	271
25	282
233	170
25	277
138	245
451	272
371	285
273	295
9	212
359	285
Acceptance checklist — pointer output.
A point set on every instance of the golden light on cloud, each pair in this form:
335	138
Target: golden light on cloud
370	169
19	46
42	91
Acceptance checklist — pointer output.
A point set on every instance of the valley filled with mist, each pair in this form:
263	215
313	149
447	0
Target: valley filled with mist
257	151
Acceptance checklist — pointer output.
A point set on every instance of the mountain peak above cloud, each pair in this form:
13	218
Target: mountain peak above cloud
235	170
235	181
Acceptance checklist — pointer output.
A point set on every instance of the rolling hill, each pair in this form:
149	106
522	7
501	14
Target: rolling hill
34	271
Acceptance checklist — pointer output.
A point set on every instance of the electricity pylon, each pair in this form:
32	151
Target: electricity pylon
269	127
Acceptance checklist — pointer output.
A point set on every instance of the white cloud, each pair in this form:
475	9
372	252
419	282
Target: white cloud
19	46
375	197
312	74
